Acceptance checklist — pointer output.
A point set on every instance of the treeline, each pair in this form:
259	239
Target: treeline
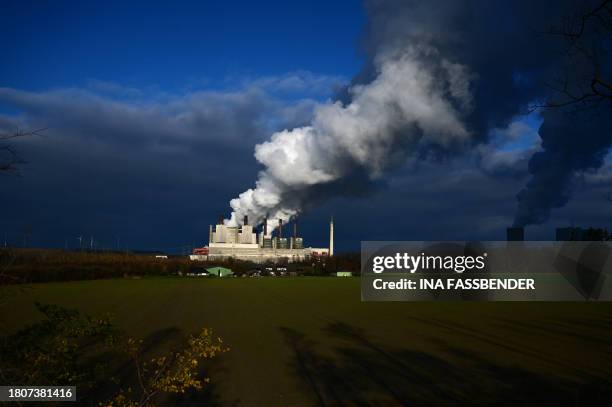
41	265
45	265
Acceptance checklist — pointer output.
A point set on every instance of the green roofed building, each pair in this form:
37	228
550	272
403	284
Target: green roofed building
344	274
219	271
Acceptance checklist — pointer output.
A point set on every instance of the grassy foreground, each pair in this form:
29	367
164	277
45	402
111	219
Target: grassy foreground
311	341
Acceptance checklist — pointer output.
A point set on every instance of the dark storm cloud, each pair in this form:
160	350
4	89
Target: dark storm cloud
455	201
226	118
121	161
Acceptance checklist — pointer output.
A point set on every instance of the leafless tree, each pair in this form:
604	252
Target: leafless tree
9	156
9	163
585	80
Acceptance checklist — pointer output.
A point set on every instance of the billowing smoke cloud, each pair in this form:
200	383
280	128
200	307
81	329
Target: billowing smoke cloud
416	101
572	143
437	76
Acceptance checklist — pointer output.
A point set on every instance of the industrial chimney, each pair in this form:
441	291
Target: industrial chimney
265	230
295	228
280	228
515	234
246	220
331	237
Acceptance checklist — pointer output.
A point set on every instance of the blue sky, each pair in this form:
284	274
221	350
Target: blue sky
174	45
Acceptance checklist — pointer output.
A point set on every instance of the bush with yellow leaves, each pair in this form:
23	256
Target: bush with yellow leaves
174	373
68	348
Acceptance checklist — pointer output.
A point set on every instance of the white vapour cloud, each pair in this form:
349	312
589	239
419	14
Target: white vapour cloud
416	101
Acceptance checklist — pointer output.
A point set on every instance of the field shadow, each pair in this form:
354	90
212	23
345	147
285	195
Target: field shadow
210	395
363	372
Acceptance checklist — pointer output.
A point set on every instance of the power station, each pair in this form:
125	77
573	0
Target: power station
244	243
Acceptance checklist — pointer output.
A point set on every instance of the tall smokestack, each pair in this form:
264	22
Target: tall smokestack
331	237
266	226
295	227
515	234
246	220
220	222
280	228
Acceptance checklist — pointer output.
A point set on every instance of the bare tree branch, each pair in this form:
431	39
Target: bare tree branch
585	84
10	160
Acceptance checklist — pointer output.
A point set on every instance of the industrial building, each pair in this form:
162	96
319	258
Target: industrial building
582	234
244	243
564	234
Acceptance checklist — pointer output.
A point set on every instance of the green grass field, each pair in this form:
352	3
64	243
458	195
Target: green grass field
311	341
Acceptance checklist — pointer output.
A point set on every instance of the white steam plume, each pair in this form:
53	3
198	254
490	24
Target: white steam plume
416	101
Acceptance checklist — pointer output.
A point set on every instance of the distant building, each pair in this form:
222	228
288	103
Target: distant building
201	251
580	234
244	243
568	234
199	254
198	257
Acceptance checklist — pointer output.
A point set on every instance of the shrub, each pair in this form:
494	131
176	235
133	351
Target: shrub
68	348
